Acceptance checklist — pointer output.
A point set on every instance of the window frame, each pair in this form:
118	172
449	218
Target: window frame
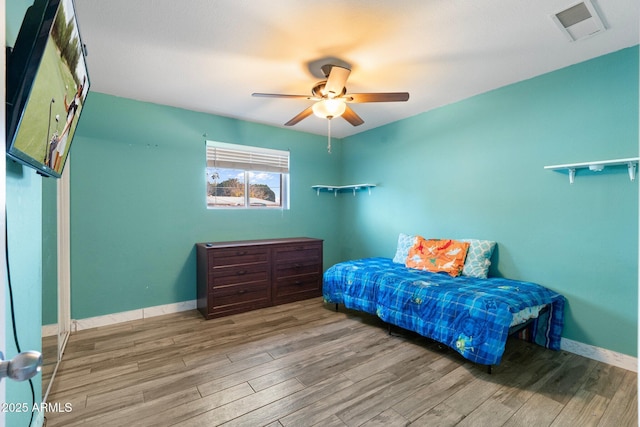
247	160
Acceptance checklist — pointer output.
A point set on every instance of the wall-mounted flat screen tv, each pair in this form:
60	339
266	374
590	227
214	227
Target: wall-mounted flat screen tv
47	84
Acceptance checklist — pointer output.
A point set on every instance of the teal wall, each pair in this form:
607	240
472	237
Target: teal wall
24	223
474	169
138	201
24	234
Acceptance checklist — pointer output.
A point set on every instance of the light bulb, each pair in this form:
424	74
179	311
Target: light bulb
329	108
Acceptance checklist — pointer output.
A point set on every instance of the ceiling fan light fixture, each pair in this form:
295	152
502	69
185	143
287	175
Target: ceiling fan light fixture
329	108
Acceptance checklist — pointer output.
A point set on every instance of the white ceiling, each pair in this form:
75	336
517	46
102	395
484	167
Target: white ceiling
211	55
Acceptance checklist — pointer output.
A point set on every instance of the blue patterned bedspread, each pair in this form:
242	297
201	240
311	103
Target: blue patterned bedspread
470	315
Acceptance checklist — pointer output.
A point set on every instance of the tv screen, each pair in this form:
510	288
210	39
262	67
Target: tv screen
47	84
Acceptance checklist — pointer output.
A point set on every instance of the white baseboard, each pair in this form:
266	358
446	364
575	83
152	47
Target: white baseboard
600	354
124	316
620	360
50	330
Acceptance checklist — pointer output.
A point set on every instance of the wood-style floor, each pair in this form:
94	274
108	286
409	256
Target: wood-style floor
303	364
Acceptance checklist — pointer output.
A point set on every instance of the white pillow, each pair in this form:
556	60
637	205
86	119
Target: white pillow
478	258
405	241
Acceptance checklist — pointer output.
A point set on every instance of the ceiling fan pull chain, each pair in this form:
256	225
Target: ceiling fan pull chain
329	135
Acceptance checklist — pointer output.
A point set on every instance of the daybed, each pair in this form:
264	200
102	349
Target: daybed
470	313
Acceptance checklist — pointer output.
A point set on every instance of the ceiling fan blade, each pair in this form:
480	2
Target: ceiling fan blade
351	116
279	95
302	115
336	81
377	97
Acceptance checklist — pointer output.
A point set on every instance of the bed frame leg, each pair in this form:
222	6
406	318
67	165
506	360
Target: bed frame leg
489	369
336	306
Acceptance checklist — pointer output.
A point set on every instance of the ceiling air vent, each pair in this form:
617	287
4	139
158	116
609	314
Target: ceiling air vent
579	21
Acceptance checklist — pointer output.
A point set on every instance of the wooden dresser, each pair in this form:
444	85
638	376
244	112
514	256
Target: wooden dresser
234	277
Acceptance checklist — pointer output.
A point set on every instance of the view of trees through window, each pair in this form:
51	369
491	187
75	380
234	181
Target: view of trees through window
242	176
228	187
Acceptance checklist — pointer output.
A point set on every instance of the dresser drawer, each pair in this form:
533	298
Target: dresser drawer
239	298
297	268
241	293
243	273
302	251
234	256
296	288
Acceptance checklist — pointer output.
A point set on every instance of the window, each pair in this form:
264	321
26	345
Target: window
240	176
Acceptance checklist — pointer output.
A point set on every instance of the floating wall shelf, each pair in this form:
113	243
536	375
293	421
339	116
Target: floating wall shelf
597	166
337	188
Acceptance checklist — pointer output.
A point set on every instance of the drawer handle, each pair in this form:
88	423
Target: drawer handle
240	253
241	272
298	283
242	291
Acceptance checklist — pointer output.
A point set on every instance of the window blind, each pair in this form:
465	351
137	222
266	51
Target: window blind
233	156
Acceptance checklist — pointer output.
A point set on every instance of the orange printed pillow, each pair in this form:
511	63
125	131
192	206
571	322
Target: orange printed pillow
437	255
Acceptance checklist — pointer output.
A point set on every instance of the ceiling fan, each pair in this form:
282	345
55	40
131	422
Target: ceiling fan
332	98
